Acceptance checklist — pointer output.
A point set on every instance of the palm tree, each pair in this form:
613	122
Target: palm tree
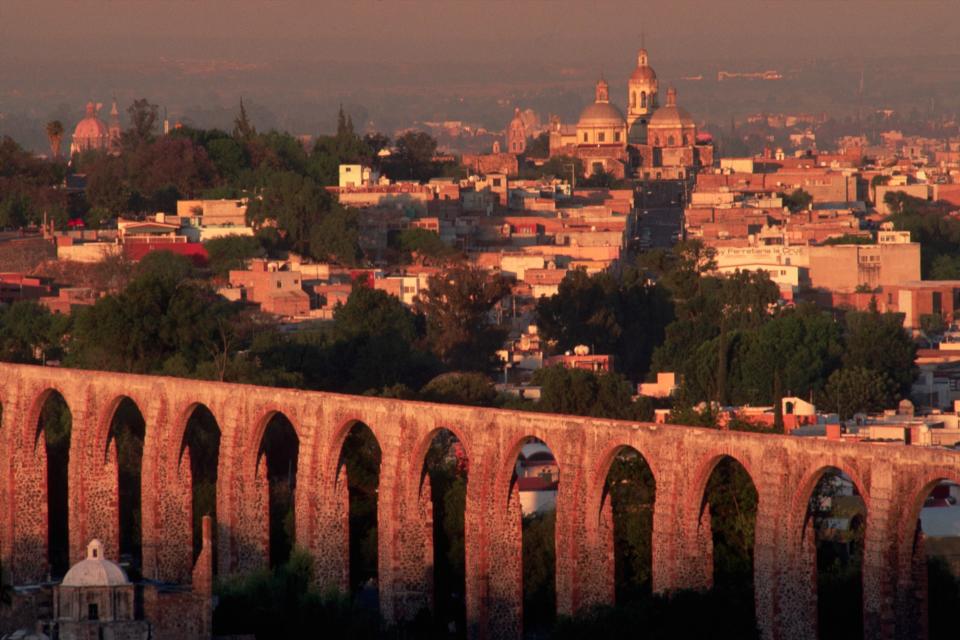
55	134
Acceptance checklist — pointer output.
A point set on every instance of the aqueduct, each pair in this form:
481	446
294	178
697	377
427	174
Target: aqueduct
893	481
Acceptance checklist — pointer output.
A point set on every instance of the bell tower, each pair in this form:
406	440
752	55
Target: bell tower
641	98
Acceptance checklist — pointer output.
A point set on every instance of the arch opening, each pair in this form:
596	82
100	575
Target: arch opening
729	511
127	432
54	426
360	457
935	557
445	468
280	446
836	526
536	475
201	438
630	489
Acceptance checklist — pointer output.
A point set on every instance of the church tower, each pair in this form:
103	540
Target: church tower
113	130
641	98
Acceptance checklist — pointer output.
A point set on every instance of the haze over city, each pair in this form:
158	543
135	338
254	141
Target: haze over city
295	62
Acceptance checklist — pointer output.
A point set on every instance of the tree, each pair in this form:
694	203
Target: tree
798	200
792	354
848	238
538	147
30	333
242	129
703	343
565	167
232	252
15	211
945	267
171	163
878	342
414	158
376	142
228	156
623	317
169	267
143	121
856	389
294	202
107	187
474	389
375	344
681	268
55	135
336	238
584	393
160	323
423	246
457	305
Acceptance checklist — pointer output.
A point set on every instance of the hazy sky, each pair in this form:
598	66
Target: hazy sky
394	63
577	31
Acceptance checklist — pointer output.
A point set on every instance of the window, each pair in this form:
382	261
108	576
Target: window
686	139
601	137
669	141
937	302
93	611
633	99
616	136
496	182
643	99
584	136
656	141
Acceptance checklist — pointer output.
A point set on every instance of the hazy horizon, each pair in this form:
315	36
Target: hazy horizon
393	64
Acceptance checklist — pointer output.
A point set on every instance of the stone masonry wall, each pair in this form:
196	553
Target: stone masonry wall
893	480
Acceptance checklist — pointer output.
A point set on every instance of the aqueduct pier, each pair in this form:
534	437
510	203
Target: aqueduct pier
893	481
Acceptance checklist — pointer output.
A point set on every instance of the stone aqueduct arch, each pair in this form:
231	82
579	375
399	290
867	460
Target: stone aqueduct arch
893	480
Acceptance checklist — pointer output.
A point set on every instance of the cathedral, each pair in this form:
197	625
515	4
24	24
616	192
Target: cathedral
650	142
92	133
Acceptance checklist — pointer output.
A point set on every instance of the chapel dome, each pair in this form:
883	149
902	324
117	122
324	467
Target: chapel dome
670	115
95	570
91	126
601	114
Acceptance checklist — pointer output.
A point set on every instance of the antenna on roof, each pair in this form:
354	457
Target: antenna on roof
643	38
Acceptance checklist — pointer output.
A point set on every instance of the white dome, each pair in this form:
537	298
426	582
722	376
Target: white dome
95	570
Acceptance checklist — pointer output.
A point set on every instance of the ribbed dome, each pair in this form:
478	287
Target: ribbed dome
95	570
90	126
601	114
672	116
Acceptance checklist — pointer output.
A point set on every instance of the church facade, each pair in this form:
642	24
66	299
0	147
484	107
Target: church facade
650	142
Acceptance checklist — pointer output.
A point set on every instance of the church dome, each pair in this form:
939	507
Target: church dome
601	114
670	115
95	570
91	126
